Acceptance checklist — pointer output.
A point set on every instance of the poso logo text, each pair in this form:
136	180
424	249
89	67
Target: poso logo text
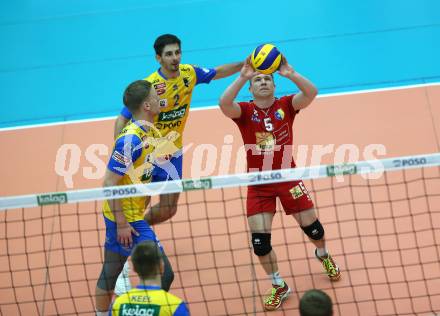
168	125
268	177
409	162
119	192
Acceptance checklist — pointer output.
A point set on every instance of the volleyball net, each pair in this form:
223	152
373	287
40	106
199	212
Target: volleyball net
382	222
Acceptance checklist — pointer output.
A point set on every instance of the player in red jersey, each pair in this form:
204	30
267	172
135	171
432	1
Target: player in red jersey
266	127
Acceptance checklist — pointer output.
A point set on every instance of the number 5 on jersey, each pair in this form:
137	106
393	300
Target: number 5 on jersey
268	124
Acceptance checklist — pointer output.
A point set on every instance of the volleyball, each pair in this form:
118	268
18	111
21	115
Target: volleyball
266	58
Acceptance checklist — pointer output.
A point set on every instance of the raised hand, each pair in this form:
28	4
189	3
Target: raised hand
285	69
247	71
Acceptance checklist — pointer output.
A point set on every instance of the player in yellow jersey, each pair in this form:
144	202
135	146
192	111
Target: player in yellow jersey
132	161
148	298
174	83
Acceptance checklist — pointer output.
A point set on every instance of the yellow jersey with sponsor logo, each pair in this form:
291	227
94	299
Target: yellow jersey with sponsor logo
132	157
175	97
148	300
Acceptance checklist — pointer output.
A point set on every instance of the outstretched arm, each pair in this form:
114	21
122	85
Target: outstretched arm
227	70
227	103
308	91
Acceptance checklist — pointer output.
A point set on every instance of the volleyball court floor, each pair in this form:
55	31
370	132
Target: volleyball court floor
384	233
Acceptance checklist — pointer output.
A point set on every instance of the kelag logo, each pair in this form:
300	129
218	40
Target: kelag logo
336	170
409	162
174	114
272	176
119	192
54	198
201	184
131	309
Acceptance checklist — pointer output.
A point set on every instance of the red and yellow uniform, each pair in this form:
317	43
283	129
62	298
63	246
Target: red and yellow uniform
267	136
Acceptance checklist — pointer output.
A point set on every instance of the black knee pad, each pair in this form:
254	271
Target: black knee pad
261	243
112	267
315	230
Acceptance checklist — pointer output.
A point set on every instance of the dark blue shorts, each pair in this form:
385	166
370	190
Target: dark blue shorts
168	170
111	236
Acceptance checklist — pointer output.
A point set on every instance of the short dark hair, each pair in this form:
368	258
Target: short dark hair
315	303
135	94
164	40
146	258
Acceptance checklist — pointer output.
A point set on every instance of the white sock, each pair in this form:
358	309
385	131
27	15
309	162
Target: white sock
276	279
101	313
322	252
123	284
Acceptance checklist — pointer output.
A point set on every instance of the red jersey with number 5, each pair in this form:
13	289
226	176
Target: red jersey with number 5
267	134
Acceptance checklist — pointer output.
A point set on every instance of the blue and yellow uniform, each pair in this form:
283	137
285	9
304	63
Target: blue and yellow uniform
148	300
132	158
175	98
